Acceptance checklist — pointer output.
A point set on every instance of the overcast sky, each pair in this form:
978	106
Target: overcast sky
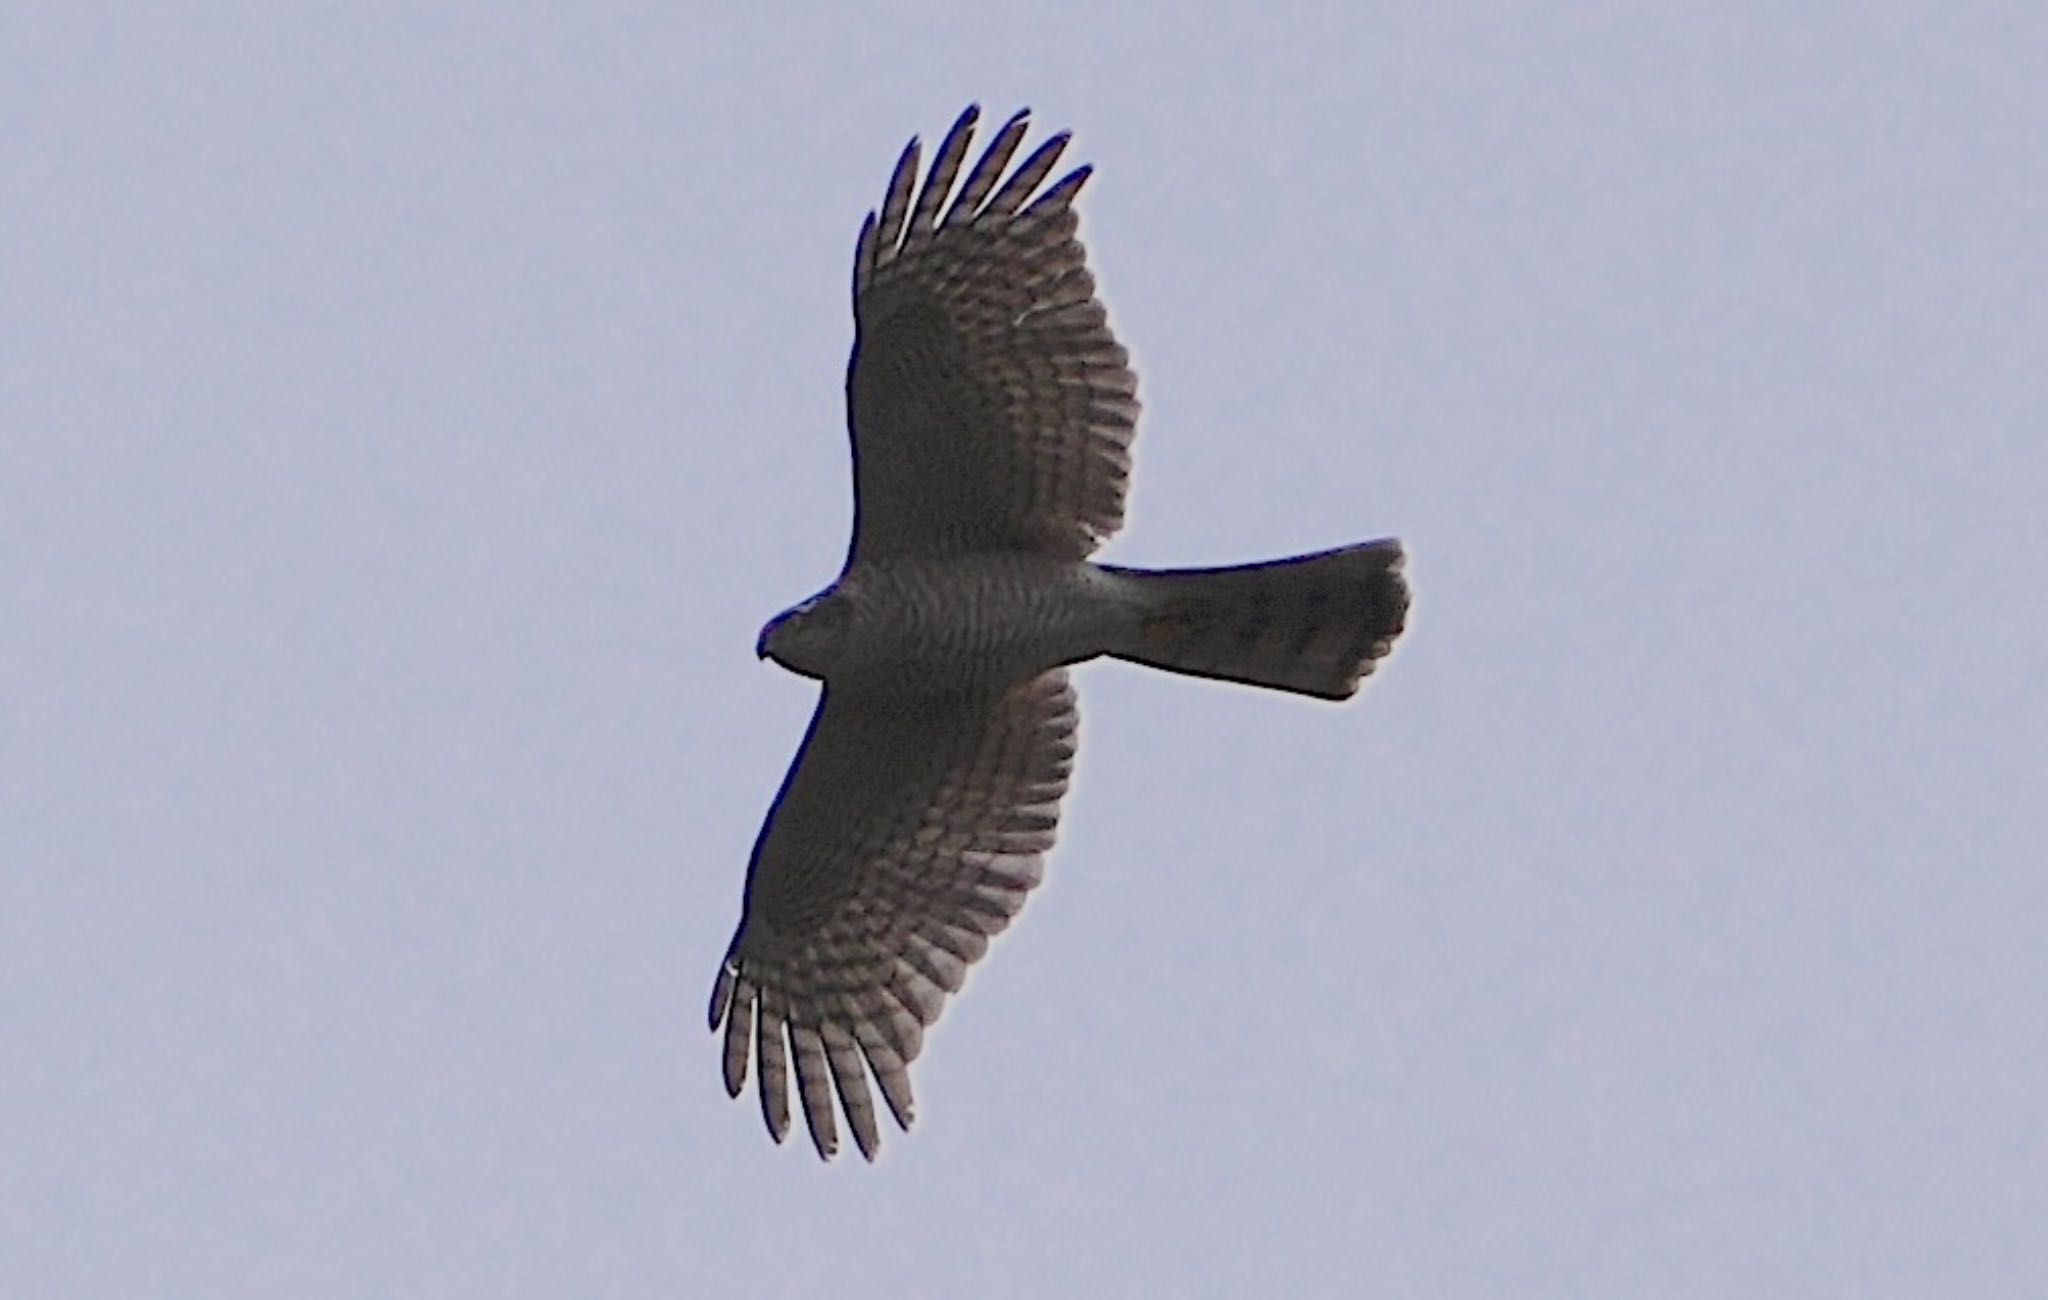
409	414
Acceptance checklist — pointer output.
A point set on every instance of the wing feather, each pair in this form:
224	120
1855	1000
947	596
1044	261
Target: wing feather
909	830
814	1087
849	1081
897	201
864	256
989	402
939	183
736	1008
768	1044
891	1072
1027	178
990	168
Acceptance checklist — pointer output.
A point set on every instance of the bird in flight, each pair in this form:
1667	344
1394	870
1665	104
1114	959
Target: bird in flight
991	412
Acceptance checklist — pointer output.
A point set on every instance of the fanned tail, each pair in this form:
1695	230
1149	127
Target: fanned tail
1312	624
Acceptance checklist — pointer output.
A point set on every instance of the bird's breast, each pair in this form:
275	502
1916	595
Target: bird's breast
976	620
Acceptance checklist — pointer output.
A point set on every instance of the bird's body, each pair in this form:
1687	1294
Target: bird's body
992	413
972	621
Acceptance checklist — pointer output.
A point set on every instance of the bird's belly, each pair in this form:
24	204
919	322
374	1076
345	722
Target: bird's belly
979	620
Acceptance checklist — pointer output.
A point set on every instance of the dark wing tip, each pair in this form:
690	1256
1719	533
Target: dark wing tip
1061	193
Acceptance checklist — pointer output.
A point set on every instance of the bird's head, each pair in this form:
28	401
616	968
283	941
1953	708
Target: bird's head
806	638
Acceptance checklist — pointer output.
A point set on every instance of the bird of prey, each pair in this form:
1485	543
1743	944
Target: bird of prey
991	413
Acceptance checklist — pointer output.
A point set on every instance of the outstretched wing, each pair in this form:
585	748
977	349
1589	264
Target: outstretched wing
990	406
908	831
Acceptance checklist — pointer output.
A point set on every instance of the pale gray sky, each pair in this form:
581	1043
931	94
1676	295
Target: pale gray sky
411	413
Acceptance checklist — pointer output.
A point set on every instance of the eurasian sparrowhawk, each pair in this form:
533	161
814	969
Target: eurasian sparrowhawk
992	413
